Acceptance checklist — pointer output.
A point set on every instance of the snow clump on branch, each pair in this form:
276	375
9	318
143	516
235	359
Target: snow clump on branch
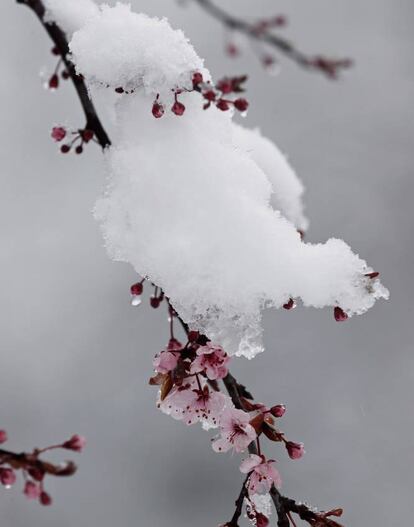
205	209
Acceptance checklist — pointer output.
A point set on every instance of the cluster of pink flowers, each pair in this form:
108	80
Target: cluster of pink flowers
34	469
188	376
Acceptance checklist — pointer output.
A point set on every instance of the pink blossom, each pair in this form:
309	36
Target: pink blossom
263	474
212	360
7	477
76	443
58	133
3	436
236	431
165	362
295	450
191	404
31	490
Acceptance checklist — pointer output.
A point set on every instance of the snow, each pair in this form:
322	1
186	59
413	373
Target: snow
205	209
286	186
70	15
120	48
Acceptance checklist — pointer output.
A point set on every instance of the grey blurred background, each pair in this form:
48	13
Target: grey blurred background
75	356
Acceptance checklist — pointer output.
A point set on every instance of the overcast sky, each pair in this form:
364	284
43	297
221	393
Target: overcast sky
76	356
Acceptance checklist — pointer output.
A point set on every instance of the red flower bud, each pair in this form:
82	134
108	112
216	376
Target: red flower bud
278	410
340	315
155	302
197	79
79	149
45	499
157	110
137	289
193	336
223	105
289	305
87	135
31	490
241	105
65	149
372	275
3	436
54	82
7	477
295	450
58	133
225	86
178	108
209	95
76	443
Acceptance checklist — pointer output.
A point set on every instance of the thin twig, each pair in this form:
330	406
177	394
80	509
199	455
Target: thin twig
327	66
60	41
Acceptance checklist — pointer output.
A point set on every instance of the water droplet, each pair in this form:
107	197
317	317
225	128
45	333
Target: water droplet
136	301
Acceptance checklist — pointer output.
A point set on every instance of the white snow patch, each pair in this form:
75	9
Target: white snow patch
70	15
199	205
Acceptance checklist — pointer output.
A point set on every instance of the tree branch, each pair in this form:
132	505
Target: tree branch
325	65
59	39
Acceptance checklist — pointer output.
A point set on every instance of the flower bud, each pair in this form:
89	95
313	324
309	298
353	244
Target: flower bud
241	105
3	436
7	477
278	410
76	443
340	315
295	450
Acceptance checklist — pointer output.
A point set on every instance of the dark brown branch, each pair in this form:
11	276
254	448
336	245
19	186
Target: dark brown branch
327	66
60	41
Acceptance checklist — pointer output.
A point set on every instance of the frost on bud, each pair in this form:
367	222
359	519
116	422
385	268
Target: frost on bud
76	443
31	490
294	450
278	411
340	315
137	289
3	436
157	110
241	105
7	477
54	82
58	133
178	108
223	105
45	499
